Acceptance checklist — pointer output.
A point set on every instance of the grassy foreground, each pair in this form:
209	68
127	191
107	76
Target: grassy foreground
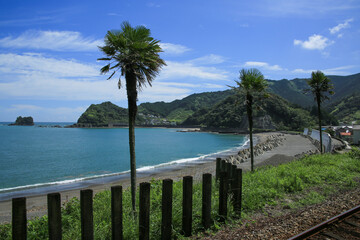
313	177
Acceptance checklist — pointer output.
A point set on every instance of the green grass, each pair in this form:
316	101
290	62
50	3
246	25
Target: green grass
306	181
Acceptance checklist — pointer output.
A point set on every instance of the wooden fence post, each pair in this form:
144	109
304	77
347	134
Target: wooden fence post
206	200
144	214
228	170
87	220
223	195
19	224
233	180
238	192
166	209
218	163
54	214
116	213
222	166
187	206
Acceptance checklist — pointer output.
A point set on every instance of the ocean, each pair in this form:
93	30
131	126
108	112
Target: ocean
39	159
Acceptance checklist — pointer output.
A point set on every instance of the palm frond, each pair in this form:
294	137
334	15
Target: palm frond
111	75
105	69
104	59
132	50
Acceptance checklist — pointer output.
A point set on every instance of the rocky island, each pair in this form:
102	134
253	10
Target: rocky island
23	121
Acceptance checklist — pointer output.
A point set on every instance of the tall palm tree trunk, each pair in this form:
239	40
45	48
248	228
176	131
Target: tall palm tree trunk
250	120
132	108
320	129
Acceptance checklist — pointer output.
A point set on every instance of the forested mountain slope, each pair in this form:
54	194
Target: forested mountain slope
218	109
347	109
293	90
179	110
274	113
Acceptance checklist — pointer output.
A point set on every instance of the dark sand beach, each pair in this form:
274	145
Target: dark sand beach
291	147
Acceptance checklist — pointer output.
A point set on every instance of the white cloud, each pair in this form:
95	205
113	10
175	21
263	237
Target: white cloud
152	5
329	71
214	86
208	59
46	114
305	8
300	70
315	42
23	107
186	70
28	21
340	26
189	85
28	64
263	65
175	49
115	14
51	40
37	77
339	70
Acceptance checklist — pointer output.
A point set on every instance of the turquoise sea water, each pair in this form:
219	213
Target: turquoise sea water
33	157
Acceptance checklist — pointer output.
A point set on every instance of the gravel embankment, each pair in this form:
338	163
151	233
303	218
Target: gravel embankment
278	223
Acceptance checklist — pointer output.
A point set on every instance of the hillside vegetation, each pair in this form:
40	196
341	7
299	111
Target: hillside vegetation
23	121
180	110
347	109
288	108
100	115
274	113
293	90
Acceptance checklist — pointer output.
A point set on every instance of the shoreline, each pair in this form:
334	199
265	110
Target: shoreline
294	144
37	189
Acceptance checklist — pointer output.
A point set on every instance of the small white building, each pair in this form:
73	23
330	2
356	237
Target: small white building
356	134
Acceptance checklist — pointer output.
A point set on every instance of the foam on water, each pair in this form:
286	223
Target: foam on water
42	188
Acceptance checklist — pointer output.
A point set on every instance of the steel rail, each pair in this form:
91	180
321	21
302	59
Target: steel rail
323	225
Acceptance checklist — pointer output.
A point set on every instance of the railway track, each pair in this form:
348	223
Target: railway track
343	226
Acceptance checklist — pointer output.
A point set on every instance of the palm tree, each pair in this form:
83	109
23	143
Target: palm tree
134	53
320	87
252	85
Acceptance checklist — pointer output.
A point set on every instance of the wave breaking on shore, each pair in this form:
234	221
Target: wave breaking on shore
83	182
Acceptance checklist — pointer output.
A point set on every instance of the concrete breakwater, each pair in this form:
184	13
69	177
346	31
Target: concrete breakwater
268	144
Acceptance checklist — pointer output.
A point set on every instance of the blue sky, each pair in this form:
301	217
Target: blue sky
48	49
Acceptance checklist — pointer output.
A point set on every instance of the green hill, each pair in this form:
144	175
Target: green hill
180	110
275	113
100	115
347	109
218	109
292	90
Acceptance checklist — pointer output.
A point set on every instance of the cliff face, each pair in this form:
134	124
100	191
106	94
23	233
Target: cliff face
23	121
263	122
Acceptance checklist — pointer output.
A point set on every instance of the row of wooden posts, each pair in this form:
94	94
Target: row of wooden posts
230	182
